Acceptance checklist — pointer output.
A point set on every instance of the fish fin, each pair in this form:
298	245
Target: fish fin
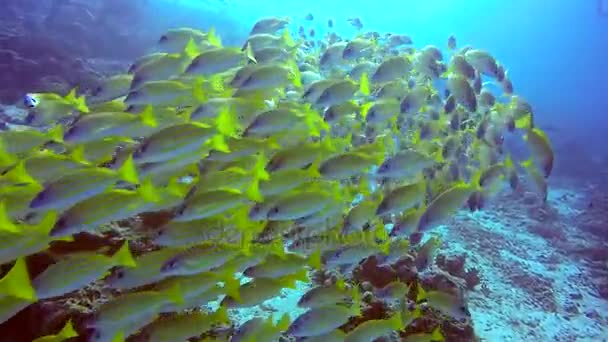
55	133
191	50
118	337
249	53
226	122
147	191
174	293
259	170
213	38
380	233
71	95
77	154
313	171
356	298
67	331
217	83
294	74
365	109
436	335
287	39
475	180
197	90
231	287
277	247
147	116
6	224
47	223
253	191
16	283
508	163
19	174
421	293
6	159
221	315
78	102
524	122
364	84
396	321
123	256
283	323
218	143
301	275
128	171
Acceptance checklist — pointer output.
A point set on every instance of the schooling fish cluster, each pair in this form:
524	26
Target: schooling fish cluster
268	161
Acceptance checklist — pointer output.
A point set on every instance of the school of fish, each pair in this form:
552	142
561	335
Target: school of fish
271	159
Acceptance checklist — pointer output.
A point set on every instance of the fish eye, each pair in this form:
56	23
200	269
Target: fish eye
163	38
160	232
275	210
98	89
120	274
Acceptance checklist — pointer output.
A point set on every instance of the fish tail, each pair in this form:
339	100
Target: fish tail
47	223
249	53
147	116
147	191
253	191
191	50
128	171
294	74
197	90
123	256
436	335
396	321
55	133
77	154
364	84
67	331
174	293
16	283
213	38
226	122
287	39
